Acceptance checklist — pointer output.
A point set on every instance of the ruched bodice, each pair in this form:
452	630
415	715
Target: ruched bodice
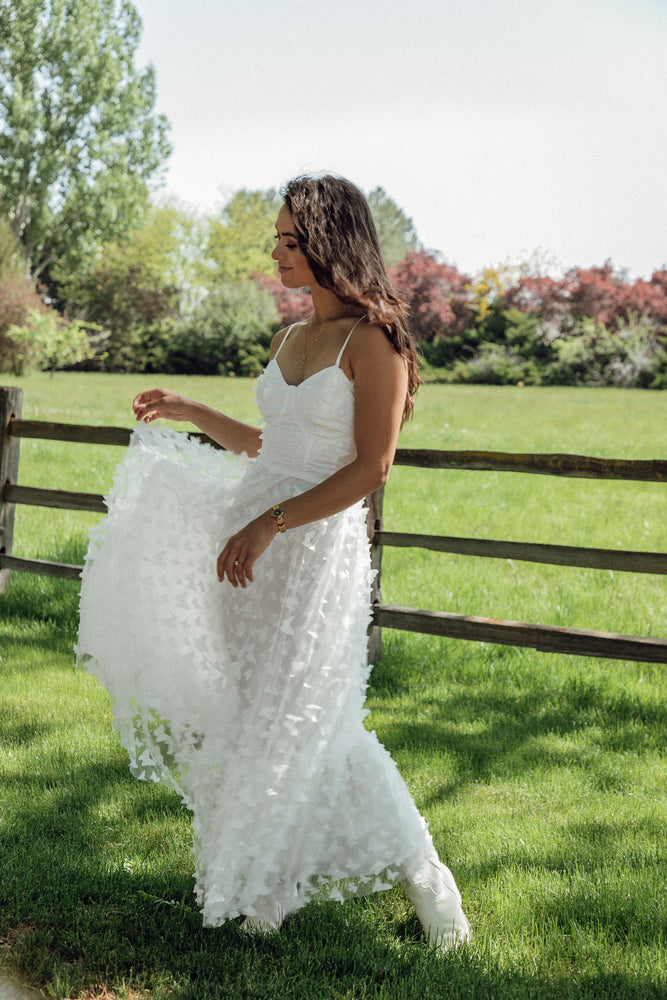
309	428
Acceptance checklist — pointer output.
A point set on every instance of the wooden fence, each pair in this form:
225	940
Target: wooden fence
547	638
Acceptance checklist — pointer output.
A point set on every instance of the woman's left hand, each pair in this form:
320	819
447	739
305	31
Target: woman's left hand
239	555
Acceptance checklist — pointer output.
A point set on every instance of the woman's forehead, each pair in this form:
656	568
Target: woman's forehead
284	222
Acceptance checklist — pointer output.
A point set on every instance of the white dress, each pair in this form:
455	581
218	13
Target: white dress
250	703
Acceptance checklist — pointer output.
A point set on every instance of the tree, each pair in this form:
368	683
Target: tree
18	298
47	342
541	295
241	239
230	332
489	288
133	285
601	293
79	140
396	231
437	294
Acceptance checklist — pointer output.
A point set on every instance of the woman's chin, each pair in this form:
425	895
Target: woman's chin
287	281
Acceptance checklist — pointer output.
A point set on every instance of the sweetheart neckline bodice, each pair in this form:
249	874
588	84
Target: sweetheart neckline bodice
297	385
309	427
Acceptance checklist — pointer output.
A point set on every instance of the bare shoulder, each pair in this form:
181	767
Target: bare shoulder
277	340
370	347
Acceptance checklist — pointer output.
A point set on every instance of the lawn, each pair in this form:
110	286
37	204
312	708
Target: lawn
542	777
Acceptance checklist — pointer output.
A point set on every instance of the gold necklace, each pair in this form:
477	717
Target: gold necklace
307	349
323	326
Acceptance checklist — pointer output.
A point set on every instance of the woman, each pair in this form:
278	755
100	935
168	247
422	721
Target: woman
248	699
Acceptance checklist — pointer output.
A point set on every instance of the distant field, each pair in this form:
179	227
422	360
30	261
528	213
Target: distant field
542	777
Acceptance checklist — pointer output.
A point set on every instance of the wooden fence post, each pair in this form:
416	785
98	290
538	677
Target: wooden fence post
373	526
10	407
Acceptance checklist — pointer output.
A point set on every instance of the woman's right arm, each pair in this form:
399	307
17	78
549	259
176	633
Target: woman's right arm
231	434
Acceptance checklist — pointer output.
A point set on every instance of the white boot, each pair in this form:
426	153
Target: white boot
437	902
268	919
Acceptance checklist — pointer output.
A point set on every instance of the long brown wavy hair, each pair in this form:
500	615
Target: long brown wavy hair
336	232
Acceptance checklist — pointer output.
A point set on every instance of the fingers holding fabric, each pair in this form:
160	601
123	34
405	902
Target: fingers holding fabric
156	403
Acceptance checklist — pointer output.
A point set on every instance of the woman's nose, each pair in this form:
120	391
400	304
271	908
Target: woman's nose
275	253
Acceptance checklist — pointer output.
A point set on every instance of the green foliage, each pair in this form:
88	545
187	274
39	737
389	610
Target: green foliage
165	311
502	348
230	332
18	299
79	140
133	287
241	239
507	346
154	346
446	351
641	353
10	259
191	269
631	355
496	364
396	231
47	342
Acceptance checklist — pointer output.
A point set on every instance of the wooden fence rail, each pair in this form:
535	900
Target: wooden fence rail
542	637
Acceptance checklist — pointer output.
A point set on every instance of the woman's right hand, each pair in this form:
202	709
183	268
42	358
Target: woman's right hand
154	403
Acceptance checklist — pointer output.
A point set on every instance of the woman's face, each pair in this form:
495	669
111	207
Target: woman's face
293	269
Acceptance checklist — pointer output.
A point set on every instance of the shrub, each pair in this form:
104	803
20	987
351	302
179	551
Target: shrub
496	364
438	296
446	350
155	344
46	342
632	355
640	353
230	332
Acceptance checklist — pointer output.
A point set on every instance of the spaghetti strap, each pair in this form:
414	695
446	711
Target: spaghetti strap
289	330
346	340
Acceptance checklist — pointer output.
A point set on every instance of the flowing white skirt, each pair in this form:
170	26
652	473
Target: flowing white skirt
249	703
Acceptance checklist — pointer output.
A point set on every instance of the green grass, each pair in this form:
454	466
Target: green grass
542	777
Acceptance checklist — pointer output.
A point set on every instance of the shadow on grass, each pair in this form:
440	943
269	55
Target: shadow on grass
16	730
76	916
40	638
33	602
511	720
75	912
579	847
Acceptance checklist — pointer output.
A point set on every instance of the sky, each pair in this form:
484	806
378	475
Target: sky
507	130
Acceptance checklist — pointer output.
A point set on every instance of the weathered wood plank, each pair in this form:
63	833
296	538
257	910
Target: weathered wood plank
60	499
577	466
48	431
66	571
10	408
583	466
546	638
556	555
84	433
374	503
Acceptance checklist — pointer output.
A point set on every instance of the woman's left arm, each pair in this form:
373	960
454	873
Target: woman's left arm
380	386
